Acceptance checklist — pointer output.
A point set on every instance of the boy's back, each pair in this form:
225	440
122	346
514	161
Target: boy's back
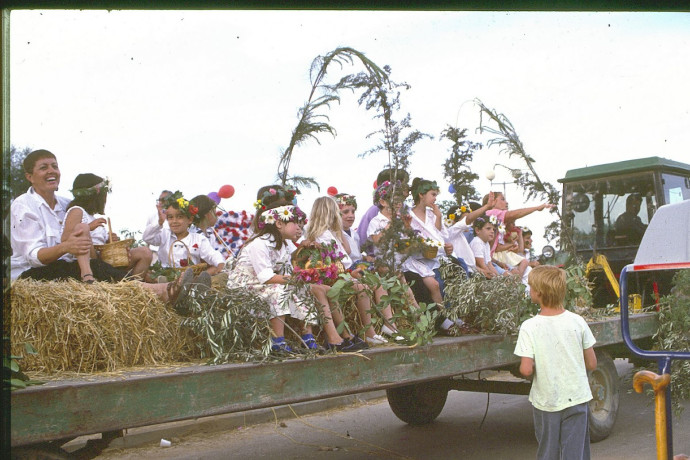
556	345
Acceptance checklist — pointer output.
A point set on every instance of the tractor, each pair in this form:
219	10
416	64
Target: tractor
606	209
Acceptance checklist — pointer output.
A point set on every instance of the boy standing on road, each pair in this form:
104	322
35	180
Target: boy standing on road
556	350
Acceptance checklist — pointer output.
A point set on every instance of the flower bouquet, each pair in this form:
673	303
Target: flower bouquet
430	248
317	263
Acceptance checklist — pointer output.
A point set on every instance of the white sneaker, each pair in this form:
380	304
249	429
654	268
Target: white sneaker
459	322
376	340
391	333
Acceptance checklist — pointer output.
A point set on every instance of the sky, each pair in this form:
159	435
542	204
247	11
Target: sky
193	100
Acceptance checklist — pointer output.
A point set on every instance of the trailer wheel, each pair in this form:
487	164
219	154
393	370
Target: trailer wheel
603	408
420	403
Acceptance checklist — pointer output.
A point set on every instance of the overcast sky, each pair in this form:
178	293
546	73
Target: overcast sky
195	100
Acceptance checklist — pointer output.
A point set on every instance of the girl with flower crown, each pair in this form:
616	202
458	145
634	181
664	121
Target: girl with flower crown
188	248
263	266
427	220
90	193
326	226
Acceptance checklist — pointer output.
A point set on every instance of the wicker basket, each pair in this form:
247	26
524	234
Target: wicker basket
429	252
197	268
115	253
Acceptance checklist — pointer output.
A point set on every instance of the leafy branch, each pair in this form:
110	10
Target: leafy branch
312	122
532	185
456	168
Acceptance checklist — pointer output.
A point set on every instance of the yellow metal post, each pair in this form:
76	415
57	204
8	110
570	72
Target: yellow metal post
659	384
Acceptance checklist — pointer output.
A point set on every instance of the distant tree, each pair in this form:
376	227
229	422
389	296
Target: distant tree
456	168
17	180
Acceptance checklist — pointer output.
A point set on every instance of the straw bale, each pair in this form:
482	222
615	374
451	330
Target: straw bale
77	327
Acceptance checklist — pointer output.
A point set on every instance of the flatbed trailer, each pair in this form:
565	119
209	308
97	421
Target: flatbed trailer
416	379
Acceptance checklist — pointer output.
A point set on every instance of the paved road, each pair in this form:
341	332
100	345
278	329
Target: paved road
370	430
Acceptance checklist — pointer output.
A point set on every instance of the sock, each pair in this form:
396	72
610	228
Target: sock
446	324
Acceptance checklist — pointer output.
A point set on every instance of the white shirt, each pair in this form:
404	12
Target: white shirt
427	229
197	248
266	261
377	225
481	250
353	241
34	226
327	237
557	344
461	248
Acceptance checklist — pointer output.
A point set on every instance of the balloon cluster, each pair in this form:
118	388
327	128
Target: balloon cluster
226	191
233	228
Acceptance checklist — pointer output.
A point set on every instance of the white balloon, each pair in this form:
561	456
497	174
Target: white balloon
491	174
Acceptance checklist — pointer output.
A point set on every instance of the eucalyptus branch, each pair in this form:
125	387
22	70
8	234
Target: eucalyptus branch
311	123
509	143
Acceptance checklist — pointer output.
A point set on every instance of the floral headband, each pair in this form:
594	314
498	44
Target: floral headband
84	192
189	210
287	193
383	190
287	213
346	200
425	186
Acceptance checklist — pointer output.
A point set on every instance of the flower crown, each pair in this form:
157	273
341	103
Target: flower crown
383	190
287	213
493	220
346	200
287	193
84	192
425	186
189	210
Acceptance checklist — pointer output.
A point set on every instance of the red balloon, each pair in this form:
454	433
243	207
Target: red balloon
376	185
226	191
332	191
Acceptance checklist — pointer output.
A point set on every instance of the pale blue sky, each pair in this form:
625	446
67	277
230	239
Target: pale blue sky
195	100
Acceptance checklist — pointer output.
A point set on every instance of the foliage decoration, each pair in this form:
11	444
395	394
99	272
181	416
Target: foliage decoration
532	185
456	168
12	376
311	122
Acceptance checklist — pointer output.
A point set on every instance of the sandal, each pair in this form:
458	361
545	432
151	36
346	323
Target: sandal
89	281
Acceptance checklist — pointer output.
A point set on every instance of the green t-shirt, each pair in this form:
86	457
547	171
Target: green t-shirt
556	344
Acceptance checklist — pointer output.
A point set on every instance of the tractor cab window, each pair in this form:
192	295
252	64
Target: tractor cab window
676	188
611	211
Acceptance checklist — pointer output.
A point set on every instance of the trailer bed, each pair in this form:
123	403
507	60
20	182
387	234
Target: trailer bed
69	408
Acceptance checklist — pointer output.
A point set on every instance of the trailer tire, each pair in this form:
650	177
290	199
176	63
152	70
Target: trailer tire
603	408
420	403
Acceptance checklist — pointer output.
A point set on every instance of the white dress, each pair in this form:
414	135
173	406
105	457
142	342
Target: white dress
99	235
258	262
427	229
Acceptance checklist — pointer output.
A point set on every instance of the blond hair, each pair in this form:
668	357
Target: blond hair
325	215
549	282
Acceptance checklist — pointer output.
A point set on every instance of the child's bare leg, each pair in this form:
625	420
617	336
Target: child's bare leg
278	325
434	289
332	335
140	261
364	308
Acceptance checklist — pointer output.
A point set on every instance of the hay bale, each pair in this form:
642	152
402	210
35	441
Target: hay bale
77	327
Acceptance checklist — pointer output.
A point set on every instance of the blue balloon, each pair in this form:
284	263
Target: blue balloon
451	189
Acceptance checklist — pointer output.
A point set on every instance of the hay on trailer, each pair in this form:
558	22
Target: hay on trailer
84	328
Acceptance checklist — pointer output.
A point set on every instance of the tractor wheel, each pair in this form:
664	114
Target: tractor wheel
603	408
420	403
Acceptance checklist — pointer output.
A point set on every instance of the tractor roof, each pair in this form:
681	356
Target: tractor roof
625	167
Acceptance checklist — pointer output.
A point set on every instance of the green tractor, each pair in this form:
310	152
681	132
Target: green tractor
606	210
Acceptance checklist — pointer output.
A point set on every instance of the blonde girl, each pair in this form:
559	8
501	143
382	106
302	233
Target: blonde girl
187	247
263	266
325	226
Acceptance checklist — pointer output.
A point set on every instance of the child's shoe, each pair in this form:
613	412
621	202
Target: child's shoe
359	342
376	340
392	333
310	342
280	346
346	346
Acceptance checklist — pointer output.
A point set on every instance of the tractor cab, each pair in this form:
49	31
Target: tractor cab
607	209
